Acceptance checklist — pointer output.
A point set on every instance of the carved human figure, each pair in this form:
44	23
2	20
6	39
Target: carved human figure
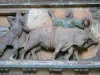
68	21
12	37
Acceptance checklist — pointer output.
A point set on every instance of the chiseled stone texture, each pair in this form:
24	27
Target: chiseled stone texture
39	17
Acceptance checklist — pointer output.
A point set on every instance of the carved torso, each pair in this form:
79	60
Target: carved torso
68	36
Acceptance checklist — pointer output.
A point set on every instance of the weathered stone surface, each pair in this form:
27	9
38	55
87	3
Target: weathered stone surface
38	18
89	53
80	13
3	21
92	53
60	12
43	55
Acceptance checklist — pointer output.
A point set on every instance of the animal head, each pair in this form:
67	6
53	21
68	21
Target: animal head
87	29
89	40
81	37
85	38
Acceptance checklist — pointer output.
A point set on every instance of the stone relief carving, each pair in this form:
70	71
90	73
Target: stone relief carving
95	21
66	38
11	38
68	21
95	15
69	39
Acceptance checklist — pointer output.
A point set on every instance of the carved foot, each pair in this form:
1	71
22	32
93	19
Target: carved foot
34	55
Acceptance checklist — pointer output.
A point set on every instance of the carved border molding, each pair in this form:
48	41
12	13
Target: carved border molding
30	3
48	64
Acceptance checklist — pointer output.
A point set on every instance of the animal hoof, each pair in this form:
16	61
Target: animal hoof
11	58
21	58
52	58
66	59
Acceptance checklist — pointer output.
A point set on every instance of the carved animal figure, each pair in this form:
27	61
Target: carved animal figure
11	38
59	38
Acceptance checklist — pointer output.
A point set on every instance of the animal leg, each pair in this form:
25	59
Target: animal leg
34	51
57	49
15	50
70	52
2	48
76	55
23	54
29	46
65	49
28	56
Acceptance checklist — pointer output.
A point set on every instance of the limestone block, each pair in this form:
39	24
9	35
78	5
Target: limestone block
38	18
